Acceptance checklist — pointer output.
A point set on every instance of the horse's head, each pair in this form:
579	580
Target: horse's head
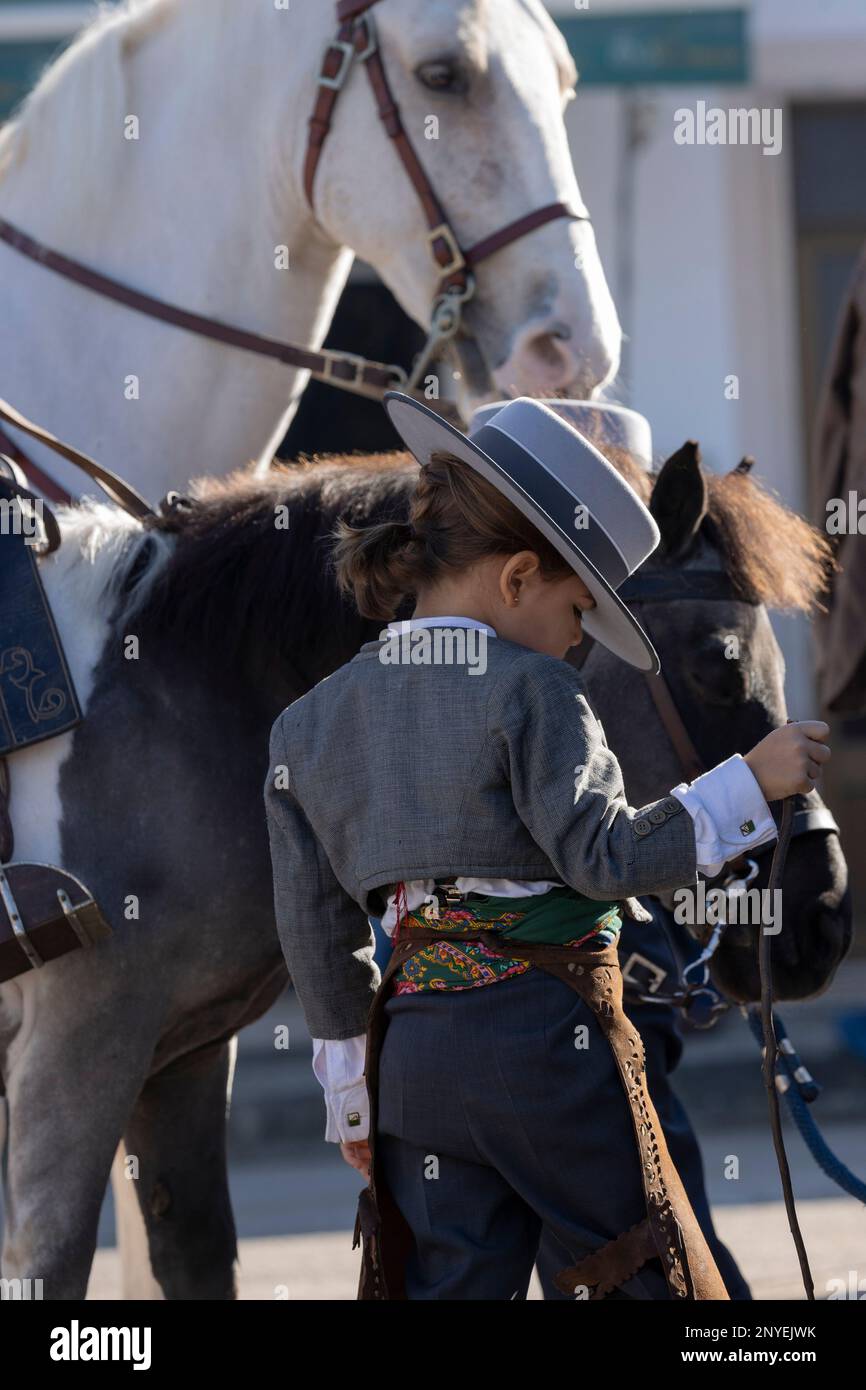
481	89
723	666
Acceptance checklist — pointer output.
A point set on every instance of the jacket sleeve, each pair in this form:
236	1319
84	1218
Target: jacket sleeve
326	937
568	790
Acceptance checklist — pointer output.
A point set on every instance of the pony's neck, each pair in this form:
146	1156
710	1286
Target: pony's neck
196	208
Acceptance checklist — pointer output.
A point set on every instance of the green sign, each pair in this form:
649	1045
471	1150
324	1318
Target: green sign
675	46
20	66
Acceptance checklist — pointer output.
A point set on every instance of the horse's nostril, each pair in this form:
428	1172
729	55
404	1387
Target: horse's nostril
546	348
560	330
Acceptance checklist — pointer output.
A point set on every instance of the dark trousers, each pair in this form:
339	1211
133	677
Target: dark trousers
502	1117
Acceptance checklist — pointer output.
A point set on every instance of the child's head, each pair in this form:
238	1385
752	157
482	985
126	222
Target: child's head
465	550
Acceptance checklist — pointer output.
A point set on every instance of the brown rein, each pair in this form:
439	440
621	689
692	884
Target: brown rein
693	766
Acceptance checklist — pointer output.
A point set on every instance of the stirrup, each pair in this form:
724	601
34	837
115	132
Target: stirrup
44	913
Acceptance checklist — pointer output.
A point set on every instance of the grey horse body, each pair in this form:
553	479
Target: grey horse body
121	1054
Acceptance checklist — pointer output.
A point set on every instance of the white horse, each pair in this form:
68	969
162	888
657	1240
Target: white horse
165	148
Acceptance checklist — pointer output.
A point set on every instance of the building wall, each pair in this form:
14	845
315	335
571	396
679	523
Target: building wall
699	243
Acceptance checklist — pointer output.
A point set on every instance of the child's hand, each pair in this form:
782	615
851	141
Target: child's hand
788	760
357	1155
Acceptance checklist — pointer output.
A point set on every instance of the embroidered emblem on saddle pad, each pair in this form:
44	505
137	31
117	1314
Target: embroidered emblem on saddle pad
37	697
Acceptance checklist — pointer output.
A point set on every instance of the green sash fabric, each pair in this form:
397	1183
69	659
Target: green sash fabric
560	916
557	916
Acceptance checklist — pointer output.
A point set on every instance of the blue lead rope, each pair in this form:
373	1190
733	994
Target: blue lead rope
799	1089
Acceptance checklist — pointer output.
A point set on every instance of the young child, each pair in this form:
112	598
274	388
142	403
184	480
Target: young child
453	779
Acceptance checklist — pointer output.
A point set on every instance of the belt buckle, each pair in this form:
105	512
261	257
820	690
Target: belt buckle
655	971
447	894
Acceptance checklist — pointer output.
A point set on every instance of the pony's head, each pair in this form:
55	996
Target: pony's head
726	674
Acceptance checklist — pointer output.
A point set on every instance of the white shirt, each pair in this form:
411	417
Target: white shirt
719	802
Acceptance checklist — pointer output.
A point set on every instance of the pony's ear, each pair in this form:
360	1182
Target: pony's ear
745	465
679	500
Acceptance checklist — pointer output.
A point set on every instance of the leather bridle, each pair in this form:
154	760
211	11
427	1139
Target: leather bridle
355	42
685	584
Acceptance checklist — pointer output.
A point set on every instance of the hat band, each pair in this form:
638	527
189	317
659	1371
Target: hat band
551	496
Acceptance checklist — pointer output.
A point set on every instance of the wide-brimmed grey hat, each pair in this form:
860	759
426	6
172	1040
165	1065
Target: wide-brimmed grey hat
569	492
602	423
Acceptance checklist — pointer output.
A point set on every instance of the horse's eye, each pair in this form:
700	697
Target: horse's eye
441	76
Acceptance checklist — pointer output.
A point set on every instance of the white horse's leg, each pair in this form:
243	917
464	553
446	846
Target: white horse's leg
174	1150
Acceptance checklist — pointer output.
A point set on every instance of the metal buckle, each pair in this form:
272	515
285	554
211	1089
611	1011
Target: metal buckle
347	51
372	37
352	359
447	893
656	973
444	233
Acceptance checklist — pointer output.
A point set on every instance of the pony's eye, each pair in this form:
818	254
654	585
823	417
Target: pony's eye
441	76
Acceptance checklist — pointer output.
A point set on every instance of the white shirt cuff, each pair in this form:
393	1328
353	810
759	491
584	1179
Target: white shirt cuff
729	813
339	1068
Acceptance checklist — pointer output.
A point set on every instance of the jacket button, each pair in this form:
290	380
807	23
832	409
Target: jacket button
658	817
642	827
672	805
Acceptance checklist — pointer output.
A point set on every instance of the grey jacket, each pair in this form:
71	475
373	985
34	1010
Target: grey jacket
389	772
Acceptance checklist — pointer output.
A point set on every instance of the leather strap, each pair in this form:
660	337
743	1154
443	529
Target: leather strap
519	228
115	488
7	837
689	757
344	368
671	585
595	975
347	9
608	1268
46	484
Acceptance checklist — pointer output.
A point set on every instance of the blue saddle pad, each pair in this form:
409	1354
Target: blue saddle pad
37	697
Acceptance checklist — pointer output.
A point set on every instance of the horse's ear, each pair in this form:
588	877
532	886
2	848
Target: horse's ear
745	465
679	499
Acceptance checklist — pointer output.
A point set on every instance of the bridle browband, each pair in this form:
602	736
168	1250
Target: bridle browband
356	41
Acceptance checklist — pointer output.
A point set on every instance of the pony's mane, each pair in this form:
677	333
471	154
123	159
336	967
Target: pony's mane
222	581
82	95
228	582
773	555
